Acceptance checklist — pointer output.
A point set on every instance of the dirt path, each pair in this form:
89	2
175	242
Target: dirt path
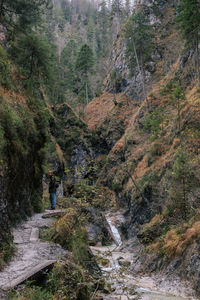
32	254
124	285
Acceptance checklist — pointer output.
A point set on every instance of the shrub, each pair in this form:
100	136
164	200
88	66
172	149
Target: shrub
151	123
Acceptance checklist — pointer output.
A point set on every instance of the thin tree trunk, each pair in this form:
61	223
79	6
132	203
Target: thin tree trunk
179	117
86	92
137	187
1	8
197	59
141	74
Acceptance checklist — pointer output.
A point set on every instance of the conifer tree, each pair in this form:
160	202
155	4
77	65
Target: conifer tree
117	13
34	56
67	63
103	20
20	15
139	42
189	25
84	64
177	98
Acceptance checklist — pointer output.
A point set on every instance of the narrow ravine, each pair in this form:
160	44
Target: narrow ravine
124	285
32	254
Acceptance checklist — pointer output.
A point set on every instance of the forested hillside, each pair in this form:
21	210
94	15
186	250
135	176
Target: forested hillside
106	95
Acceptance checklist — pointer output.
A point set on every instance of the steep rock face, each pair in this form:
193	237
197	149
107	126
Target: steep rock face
79	145
22	156
161	14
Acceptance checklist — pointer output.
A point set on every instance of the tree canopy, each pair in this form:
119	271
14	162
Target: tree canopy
85	60
21	14
138	35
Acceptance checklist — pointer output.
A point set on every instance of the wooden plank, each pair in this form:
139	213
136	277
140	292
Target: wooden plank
53	213
27	274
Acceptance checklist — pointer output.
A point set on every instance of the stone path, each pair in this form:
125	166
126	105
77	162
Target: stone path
32	254
124	285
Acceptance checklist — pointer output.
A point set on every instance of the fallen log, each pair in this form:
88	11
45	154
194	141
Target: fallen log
53	213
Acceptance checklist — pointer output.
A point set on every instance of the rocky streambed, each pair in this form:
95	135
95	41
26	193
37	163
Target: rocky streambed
119	263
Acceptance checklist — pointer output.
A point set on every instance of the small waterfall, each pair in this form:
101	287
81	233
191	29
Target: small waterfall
114	232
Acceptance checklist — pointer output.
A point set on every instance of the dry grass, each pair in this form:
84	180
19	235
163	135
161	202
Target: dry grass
98	109
174	242
12	97
60	152
103	107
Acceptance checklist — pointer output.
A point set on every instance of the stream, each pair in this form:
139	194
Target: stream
32	254
123	284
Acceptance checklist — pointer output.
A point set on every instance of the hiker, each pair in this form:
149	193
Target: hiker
52	190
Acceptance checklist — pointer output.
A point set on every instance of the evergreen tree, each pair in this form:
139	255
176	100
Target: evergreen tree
84	64
182	182
177	98
139	42
117	13
67	62
91	32
103	21
20	15
34	56
66	8
189	25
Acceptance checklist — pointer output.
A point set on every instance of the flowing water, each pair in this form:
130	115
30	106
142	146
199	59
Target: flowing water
121	283
124	285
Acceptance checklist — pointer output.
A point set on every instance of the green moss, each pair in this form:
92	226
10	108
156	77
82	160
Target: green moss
7	250
32	293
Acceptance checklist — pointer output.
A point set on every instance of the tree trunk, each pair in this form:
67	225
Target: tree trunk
141	74
1	8
197	61
86	92
137	187
179	116
115	100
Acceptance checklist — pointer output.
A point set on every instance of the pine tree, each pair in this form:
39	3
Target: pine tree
84	64
66	8
177	98
139	44
182	182
103	20
67	63
91	32
188	20
20	15
34	56
117	13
